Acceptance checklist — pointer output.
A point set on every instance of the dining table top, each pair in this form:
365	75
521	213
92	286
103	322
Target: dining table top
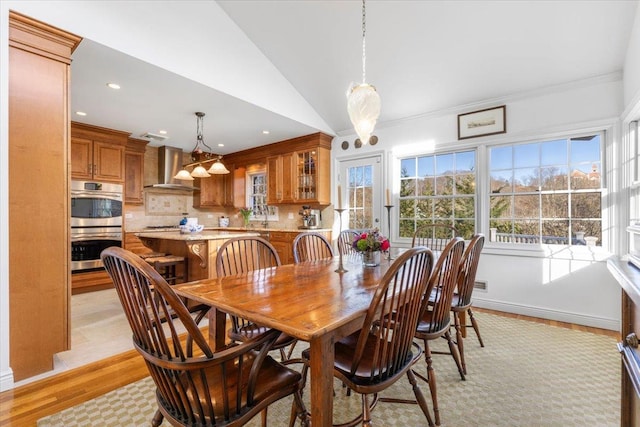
304	300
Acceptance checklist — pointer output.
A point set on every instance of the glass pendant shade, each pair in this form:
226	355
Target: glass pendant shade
363	105
200	172
184	175
217	168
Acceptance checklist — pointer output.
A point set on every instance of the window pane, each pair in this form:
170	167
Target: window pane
555	205
425	166
465	162
526	155
444	185
554	152
407	167
585	149
465	228
465	184
444	164
501	181
555	232
586	205
407	208
424	208
526	180
443	208
406	228
426	187
585	176
464	207
501	158
408	187
554	178
501	206
527	206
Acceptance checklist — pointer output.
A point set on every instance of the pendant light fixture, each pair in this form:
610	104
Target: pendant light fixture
201	153
363	102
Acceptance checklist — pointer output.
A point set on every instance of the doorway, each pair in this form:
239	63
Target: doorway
362	179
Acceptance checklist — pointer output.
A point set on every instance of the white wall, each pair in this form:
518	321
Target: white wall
572	285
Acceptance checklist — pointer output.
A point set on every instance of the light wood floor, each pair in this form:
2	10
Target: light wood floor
24	405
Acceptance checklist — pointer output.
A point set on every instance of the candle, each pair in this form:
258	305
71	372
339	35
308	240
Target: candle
339	196
388	198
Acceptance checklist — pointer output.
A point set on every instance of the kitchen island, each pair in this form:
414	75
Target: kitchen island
199	248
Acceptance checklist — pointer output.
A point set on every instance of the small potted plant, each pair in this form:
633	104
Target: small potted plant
246	214
371	243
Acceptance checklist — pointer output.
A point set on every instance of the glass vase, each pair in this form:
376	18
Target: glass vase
371	258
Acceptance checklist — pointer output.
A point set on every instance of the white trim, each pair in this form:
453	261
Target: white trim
544	313
6	380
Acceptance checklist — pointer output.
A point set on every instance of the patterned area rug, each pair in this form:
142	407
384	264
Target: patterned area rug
528	374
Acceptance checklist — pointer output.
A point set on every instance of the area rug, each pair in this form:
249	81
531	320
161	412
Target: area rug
528	374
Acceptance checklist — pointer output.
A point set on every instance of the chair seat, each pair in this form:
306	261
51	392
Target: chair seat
276	381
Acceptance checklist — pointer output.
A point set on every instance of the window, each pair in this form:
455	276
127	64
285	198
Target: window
547	192
257	193
439	189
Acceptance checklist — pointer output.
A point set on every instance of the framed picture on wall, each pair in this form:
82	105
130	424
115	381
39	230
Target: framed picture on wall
490	121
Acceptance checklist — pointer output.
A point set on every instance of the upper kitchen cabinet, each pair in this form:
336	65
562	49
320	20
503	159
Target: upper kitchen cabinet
280	182
134	171
97	153
301	176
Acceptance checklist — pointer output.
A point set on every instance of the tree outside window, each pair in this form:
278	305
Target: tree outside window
438	189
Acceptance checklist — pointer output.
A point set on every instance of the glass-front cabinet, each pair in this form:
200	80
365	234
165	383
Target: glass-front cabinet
306	174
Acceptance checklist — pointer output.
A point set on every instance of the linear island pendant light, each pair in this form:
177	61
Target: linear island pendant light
363	101
217	168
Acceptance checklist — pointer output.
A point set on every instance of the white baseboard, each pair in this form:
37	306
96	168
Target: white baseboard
6	380
543	313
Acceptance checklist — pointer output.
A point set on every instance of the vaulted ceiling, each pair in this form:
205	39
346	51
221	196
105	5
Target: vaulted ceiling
285	66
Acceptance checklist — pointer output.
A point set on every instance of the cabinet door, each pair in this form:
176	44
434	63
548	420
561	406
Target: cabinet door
274	180
81	158
288	178
306	177
134	178
211	192
108	162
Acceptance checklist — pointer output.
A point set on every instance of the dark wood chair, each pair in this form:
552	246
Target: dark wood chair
434	236
241	255
374	358
461	300
345	241
435	320
311	246
225	388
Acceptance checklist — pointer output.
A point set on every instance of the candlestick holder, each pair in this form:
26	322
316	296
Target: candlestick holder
389	228
341	268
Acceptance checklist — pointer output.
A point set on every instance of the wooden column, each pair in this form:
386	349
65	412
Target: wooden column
39	246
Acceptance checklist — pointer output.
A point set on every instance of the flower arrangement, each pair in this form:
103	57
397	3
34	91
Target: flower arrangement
246	213
371	241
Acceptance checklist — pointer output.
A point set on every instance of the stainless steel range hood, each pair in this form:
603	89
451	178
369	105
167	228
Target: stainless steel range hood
169	163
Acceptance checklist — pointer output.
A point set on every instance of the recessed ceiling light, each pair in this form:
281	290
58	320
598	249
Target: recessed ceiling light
266	132
220	145
81	113
113	85
162	132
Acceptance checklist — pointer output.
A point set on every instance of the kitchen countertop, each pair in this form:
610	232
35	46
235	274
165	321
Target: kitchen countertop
235	230
203	235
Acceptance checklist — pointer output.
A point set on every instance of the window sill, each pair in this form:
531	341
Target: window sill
577	253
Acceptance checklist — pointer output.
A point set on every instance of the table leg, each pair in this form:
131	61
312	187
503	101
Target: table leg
217	328
321	381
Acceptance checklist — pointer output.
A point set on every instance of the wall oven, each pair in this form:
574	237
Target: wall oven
96	222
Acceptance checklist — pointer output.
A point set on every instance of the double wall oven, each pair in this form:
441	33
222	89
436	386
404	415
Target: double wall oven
96	222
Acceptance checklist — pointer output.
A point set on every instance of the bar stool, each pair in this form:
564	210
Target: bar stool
166	266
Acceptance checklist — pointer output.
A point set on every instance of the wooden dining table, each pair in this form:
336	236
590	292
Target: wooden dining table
309	301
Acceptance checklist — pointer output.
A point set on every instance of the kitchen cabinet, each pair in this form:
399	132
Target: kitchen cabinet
301	177
280	184
282	241
39	58
134	171
221	190
97	153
